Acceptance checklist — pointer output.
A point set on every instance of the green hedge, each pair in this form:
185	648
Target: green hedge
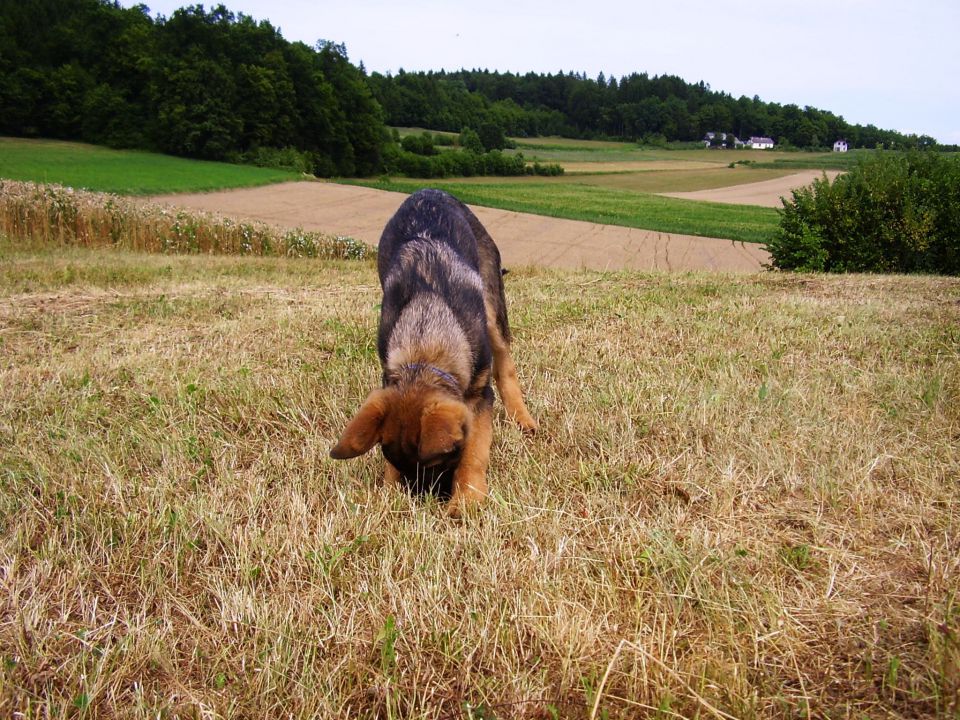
461	163
890	213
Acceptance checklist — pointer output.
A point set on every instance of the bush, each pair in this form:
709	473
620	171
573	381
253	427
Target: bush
492	136
461	163
419	144
891	213
470	140
549	170
444	140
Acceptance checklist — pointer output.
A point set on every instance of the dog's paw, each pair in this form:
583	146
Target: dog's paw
467	498
455	510
528	426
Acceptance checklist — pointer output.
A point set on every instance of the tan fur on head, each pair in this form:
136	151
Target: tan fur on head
428	426
443	429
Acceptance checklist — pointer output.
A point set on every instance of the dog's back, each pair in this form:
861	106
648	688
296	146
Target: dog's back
438	278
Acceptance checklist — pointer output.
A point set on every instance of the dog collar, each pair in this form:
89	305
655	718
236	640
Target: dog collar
442	374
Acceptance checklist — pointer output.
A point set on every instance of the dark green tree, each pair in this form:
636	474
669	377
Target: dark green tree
892	213
203	83
470	141
492	136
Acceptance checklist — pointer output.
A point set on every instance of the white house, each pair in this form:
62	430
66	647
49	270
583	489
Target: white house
712	139
760	143
840	146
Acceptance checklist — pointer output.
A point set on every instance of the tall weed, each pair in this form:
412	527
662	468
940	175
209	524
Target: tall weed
55	214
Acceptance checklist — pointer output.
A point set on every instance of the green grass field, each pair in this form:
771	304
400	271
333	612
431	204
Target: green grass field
645	181
126	172
618	183
607	155
610	182
742	501
612	206
564	150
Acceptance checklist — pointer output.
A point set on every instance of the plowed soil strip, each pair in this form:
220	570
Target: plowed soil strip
523	239
767	193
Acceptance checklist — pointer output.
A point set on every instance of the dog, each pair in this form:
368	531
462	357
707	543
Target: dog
443	333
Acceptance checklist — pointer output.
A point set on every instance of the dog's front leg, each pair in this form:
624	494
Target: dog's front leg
391	476
470	477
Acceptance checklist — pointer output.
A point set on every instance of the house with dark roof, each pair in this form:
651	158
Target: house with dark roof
760	143
724	140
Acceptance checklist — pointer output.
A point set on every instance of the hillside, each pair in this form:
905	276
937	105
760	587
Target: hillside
654	109
742	501
219	85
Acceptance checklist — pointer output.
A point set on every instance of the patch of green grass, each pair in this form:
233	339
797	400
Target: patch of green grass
127	172
812	161
561	143
609	206
405	131
601	152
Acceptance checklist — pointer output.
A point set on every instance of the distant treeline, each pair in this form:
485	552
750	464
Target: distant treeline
203	84
637	107
222	86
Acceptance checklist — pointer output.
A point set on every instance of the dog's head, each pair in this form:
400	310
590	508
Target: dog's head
418	429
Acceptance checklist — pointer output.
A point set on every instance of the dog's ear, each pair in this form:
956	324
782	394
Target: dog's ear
363	431
443	427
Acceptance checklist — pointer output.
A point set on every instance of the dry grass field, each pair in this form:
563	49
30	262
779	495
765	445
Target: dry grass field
743	501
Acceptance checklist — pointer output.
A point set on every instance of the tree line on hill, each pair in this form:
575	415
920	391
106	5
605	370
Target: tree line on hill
637	107
202	83
216	85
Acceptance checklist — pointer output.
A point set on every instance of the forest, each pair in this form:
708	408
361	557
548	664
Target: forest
637	107
218	85
207	84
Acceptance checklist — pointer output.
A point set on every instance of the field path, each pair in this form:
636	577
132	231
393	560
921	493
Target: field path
523	239
766	193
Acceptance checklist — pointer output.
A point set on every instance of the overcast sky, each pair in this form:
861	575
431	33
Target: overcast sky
893	64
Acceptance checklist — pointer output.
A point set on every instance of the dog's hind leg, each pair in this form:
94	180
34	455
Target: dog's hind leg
470	477
505	375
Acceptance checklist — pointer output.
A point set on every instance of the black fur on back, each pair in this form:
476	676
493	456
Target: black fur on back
413	258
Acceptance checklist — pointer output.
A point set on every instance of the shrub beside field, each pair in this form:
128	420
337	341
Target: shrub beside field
742	501
55	214
416	155
890	213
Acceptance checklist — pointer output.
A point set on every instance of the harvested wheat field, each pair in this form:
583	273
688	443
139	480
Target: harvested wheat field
742	501
523	239
767	193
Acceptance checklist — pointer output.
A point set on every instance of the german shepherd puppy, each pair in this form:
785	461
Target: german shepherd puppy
443	331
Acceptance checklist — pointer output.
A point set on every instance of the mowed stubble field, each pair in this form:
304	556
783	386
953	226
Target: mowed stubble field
742	501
